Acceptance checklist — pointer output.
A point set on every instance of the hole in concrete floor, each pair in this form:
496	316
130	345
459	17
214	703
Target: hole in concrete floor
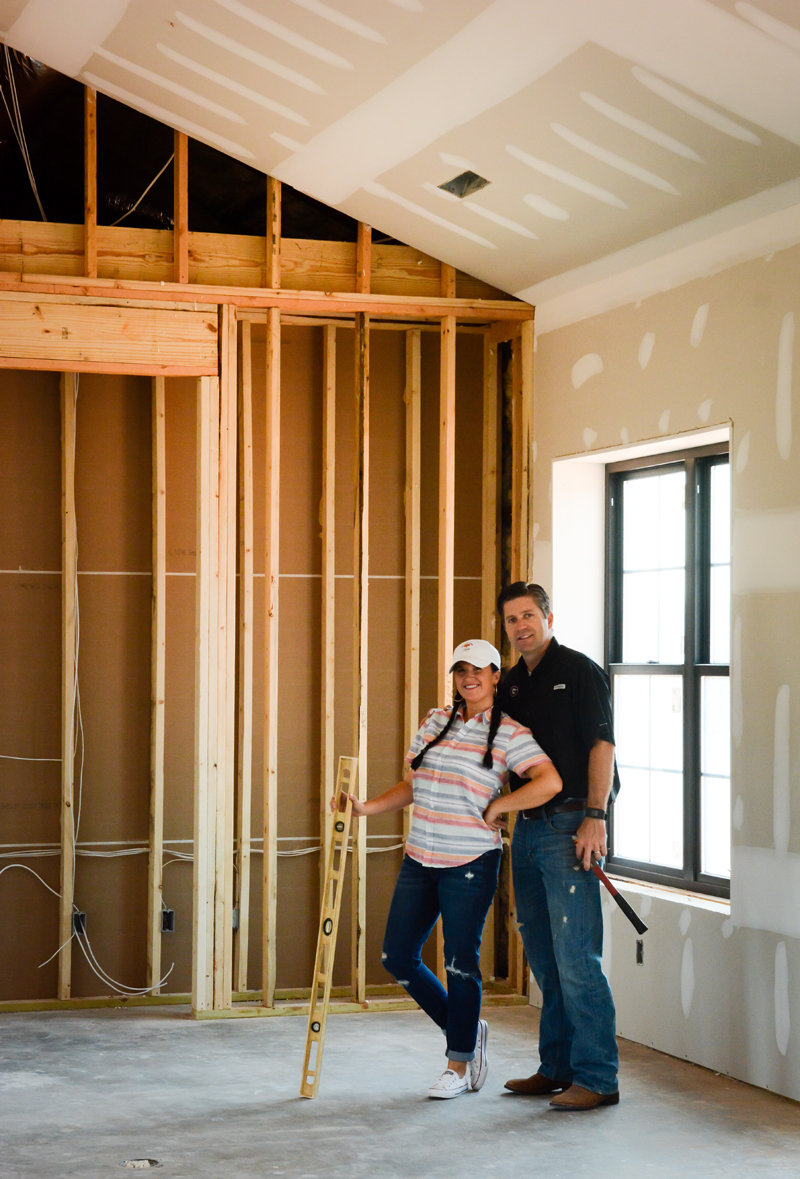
140	1164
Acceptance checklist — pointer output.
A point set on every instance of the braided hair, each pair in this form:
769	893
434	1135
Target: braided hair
494	725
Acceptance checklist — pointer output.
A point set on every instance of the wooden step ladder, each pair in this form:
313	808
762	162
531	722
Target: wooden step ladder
335	865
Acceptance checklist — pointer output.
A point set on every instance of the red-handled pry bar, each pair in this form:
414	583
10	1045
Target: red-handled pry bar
633	917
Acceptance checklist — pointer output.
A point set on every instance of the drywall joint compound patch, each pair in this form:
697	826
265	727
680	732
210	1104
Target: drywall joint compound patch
588	366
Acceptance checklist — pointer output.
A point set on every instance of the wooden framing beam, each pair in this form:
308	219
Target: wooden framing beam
226	664
446	540
158	628
293	302
79	336
413	500
69	586
180	217
489	520
525	345
205	696
273	238
328	522
364	258
516	462
448	281
43	247
360	651
271	575
244	778
90	182
447	504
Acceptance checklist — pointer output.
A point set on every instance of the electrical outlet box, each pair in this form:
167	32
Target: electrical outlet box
79	923
639	952
167	920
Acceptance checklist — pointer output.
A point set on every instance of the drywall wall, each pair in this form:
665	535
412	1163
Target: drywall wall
113	480
718	987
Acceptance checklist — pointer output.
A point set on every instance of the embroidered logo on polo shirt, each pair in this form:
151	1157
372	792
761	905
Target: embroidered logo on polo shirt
557	686
513	691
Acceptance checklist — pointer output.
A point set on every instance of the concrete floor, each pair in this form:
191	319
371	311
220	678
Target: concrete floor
82	1092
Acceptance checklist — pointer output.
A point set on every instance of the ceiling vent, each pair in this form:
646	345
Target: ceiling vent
468	182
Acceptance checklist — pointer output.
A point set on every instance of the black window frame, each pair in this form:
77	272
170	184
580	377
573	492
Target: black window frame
697	463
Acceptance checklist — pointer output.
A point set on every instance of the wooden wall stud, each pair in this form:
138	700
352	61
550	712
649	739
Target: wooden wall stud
273	243
158	627
413	401
90	182
245	727
205	696
226	664
360	649
69	554
489	520
363	258
328	522
180	193
271	575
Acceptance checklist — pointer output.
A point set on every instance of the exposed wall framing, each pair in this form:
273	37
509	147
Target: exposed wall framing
139	319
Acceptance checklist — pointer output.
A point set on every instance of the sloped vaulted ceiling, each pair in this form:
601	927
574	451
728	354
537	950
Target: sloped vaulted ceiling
603	126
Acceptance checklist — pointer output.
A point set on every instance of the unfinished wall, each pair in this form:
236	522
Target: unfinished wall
718	989
113	482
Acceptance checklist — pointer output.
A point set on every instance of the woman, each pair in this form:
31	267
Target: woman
458	762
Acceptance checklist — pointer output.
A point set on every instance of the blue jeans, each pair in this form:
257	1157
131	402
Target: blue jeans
561	923
462	895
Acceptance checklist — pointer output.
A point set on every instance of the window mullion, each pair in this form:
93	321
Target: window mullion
691	815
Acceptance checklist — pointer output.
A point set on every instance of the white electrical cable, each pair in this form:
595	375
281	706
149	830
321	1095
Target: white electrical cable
19	131
10	757
25	868
136	204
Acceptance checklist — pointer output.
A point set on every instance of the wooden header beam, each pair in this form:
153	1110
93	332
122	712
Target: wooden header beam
322	303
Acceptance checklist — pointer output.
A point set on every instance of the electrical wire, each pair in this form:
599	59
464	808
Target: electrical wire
135	206
15	120
11	757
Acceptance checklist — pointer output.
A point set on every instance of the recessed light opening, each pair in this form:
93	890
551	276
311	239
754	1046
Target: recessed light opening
464	184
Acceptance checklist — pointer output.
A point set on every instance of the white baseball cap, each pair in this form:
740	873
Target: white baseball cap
477	652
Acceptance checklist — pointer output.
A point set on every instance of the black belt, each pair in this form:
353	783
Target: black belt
554	808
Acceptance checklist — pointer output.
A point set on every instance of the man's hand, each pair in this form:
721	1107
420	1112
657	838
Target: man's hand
590	841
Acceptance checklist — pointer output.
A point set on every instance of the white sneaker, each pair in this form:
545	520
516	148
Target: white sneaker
479	1065
450	1084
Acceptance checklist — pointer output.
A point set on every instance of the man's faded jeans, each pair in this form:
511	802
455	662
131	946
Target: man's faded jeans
560	919
462	895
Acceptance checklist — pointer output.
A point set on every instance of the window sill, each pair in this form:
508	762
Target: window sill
679	896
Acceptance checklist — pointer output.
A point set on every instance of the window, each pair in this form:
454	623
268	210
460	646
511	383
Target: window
668	640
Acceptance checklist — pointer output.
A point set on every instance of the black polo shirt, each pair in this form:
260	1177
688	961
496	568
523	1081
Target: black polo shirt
566	703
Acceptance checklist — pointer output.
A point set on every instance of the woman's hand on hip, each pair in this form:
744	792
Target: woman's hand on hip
493	817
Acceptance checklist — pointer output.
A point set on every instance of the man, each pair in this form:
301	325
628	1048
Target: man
563	697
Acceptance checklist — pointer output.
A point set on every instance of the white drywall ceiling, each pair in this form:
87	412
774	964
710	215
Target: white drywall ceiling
604	126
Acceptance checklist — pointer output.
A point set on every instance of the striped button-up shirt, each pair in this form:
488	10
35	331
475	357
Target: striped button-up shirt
452	787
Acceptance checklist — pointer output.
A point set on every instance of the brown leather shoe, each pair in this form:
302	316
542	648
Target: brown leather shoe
537	1085
577	1097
